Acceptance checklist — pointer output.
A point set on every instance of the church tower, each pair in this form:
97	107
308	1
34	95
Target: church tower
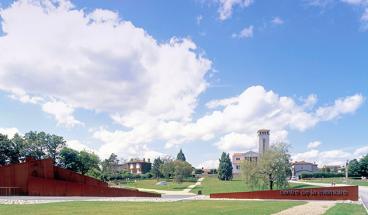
263	141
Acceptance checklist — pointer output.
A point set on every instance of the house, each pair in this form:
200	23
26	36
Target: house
137	166
300	167
263	145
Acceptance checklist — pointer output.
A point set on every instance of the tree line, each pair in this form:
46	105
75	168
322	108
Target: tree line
41	145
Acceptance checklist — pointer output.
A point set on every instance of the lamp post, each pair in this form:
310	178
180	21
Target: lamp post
346	170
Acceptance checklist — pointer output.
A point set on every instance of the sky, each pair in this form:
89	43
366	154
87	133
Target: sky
147	78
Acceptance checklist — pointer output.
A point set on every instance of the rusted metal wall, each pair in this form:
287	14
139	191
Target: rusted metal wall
68	175
41	178
323	193
47	187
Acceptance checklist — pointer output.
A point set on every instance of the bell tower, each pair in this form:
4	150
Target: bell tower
263	141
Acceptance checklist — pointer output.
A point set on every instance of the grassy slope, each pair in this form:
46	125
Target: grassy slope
150	208
339	181
343	209
151	184
213	185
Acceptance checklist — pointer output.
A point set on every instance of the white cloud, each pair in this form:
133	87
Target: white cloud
331	157
10	132
199	19
77	145
361	151
209	164
226	7
318	3
314	144
277	21
247	32
355	2
341	106
98	62
235	123
63	113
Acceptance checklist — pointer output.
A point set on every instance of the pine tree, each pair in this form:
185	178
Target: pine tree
225	170
156	168
180	156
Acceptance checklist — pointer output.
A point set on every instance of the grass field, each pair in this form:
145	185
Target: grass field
343	209
150	208
213	185
339	181
151	184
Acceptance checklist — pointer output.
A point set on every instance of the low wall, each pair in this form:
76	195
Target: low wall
323	193
47	187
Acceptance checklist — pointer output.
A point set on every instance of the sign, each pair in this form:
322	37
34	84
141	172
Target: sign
323	193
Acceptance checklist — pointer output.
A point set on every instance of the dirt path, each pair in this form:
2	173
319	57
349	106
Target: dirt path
315	208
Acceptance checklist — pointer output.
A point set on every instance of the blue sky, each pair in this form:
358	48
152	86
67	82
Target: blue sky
138	78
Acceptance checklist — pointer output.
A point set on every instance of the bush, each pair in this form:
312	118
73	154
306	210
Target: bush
322	175
146	176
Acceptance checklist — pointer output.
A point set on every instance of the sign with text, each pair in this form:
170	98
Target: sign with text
323	193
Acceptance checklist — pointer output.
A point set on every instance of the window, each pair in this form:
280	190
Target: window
237	167
238	159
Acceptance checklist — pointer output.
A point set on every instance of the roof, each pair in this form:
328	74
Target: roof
303	162
246	154
263	130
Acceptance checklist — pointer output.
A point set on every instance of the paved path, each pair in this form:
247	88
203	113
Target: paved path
313	207
185	192
363	190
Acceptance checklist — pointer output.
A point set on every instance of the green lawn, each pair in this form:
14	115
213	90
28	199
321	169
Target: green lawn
343	209
151	208
214	185
338	181
151	184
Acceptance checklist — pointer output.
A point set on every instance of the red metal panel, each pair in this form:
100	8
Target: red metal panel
41	178
323	193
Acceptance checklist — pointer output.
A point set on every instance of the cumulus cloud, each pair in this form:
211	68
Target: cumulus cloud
10	132
98	62
331	157
361	151
226	7
209	164
63	113
341	106
277	21
247	32
314	144
77	145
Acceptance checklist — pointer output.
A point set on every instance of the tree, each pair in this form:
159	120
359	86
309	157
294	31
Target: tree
88	161
225	170
182	170
19	147
271	169
53	146
180	156
69	159
167	168
353	167
5	149
156	172
41	145
363	166
110	168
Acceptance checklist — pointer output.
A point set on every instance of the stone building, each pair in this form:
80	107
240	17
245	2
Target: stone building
300	167
138	166
263	145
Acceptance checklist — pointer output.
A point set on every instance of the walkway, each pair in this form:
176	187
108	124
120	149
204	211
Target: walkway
363	190
312	207
185	192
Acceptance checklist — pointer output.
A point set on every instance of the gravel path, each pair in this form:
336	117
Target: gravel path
315	208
